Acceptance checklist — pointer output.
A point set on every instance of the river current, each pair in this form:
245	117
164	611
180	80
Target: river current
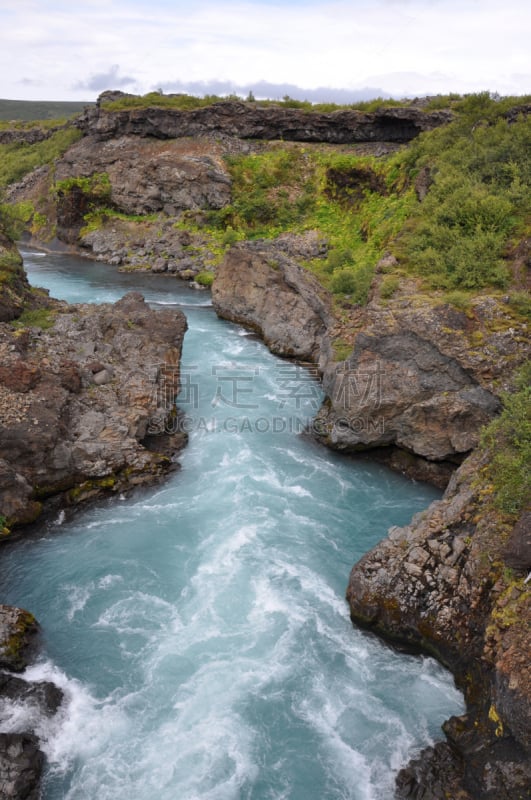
199	628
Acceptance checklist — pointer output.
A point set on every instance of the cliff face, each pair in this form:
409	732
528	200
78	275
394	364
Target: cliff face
78	399
250	121
413	381
442	584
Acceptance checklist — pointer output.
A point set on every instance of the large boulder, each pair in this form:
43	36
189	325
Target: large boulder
260	286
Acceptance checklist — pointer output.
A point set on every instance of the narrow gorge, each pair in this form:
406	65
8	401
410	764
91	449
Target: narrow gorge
411	375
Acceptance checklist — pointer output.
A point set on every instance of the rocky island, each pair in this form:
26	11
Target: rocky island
376	262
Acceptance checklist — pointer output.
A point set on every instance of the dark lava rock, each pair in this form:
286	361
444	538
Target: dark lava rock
21	765
44	694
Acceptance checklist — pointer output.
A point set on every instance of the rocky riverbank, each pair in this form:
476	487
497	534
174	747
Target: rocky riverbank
408	380
452	582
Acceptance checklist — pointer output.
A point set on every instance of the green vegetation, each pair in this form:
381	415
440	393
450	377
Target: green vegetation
205	278
36	318
15	217
39	110
10	266
457	239
480	170
508	439
186	102
358	204
97	185
17	159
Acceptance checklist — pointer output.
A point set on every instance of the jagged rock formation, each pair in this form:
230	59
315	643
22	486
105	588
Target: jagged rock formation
413	381
251	121
441	584
79	398
260	286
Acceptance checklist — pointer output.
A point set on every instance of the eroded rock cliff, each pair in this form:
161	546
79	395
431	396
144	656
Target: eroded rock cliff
412	382
81	388
442	584
251	121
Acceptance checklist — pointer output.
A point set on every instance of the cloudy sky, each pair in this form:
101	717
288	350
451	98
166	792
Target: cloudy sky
74	49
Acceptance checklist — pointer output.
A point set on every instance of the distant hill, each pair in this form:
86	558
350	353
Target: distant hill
27	110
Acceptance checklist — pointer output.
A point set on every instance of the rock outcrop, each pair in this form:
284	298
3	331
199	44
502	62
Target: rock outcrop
14	286
258	285
441	584
21	760
252	121
414	383
148	176
78	398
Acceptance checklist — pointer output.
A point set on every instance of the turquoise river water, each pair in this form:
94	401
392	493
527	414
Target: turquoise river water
199	629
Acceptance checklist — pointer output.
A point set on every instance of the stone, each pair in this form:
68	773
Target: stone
260	287
47	696
80	421
21	766
18	629
517	553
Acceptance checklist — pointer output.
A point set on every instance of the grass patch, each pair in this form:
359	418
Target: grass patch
36	318
186	102
18	159
205	278
508	438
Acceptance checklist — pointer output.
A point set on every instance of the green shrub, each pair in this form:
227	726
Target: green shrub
389	285
16	160
521	302
15	217
508	438
353	281
205	278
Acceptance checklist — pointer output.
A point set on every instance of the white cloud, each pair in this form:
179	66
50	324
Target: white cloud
402	46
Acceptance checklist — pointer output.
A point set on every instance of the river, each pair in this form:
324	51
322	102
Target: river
199	628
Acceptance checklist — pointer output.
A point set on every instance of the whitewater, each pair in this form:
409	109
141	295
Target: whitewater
198	628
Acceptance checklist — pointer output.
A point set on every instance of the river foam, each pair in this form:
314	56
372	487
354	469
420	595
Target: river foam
199	629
